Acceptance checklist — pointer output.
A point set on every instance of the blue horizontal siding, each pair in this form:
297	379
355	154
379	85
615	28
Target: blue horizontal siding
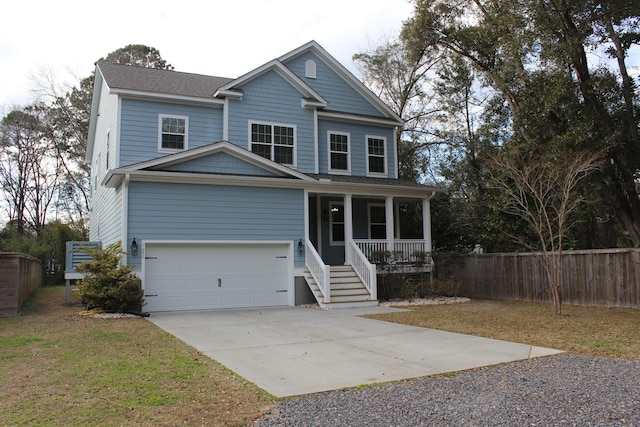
340	95
139	128
203	212
221	163
358	145
270	98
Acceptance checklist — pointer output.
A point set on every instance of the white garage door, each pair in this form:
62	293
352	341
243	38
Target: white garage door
182	276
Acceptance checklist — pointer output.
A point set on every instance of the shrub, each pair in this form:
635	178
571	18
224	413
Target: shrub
107	284
446	288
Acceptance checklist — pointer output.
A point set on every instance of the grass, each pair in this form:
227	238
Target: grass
57	368
591	331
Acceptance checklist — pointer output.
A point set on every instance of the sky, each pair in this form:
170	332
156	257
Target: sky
63	38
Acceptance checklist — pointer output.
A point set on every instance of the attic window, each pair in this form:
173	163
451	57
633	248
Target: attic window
310	69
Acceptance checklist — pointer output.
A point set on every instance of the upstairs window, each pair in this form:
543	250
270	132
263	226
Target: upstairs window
274	142
339	159
376	155
173	133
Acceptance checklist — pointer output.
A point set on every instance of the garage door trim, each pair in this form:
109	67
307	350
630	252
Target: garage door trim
288	243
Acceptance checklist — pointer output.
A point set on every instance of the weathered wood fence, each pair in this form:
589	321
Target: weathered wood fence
609	278
20	275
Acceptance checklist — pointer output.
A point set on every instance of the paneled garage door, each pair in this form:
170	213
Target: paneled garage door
188	276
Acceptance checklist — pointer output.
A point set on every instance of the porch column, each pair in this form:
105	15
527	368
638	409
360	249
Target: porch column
388	216
348	227
426	224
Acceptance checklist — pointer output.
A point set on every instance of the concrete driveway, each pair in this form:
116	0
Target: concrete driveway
293	351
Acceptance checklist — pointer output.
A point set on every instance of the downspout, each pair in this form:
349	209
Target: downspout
225	120
125	217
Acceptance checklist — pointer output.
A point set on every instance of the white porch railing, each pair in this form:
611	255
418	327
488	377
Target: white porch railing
319	271
403	251
363	268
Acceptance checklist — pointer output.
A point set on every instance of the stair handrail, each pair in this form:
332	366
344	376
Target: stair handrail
318	270
363	268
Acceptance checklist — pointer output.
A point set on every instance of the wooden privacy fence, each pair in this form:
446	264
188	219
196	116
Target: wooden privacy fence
609	278
20	275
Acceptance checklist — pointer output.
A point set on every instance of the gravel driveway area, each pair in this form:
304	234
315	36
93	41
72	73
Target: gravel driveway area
563	390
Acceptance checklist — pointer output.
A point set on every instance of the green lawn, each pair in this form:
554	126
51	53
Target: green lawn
58	368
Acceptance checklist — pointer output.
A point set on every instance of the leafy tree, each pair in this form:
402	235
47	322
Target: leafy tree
107	284
398	79
139	55
534	55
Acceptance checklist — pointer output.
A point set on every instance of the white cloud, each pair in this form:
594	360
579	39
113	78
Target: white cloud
219	38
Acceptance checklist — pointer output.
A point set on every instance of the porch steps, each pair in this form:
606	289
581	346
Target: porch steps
347	290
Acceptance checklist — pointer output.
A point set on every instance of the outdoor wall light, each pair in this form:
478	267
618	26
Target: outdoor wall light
134	247
301	246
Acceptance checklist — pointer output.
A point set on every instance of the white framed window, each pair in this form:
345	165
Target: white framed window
336	223
173	133
377	221
273	141
376	155
339	152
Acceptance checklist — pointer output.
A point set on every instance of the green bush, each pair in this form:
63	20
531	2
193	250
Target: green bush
107	284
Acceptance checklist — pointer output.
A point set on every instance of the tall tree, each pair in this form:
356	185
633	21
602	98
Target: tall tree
398	79
29	174
534	54
68	113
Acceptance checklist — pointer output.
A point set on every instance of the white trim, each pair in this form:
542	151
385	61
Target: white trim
319	223
222	146
340	69
426	223
125	218
225	120
290	257
348	153
316	142
354	118
395	153
162	149
348	224
331	241
273	145
385	158
314	186
284	72
164	97
388	206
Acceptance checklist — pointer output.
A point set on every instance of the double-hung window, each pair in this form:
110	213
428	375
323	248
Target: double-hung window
339	156
173	133
376	155
274	142
377	221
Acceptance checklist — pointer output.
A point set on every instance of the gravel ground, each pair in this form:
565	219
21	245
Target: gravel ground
563	390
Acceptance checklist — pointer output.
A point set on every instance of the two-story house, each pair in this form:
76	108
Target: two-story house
255	191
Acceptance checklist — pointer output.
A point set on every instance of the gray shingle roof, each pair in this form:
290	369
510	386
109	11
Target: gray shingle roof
140	79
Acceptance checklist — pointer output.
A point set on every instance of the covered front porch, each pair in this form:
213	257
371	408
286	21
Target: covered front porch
352	237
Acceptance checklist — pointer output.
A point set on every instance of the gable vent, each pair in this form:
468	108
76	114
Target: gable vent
310	69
